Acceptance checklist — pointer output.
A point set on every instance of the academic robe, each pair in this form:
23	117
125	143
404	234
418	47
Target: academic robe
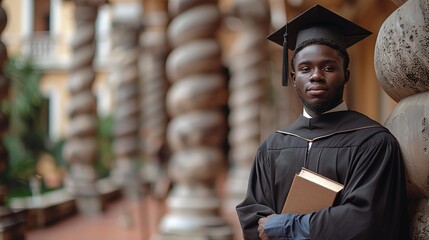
347	147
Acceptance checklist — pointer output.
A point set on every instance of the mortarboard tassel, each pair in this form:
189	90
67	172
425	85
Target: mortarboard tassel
285	61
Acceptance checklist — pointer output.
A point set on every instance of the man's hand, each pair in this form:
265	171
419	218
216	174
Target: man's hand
261	227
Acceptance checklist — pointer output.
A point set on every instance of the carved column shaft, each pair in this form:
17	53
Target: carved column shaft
4	91
197	130
125	75
81	148
249	69
154	85
402	67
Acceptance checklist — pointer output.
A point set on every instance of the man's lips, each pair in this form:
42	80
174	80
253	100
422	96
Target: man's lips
316	90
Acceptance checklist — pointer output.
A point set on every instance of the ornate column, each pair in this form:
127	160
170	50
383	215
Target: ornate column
249	67
402	68
197	129
153	122
81	148
12	226
154	44
125	75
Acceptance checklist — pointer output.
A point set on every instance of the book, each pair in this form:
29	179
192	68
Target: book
310	192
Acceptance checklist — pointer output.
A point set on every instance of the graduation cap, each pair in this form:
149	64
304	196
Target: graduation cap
316	23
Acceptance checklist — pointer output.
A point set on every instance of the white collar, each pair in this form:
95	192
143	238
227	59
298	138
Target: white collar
340	107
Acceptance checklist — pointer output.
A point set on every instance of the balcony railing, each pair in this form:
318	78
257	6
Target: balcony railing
49	51
42	46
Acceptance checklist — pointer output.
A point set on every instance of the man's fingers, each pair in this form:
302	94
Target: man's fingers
261	229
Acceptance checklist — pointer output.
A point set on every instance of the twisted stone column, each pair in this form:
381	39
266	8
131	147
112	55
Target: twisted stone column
154	86
4	91
11	224
81	148
249	69
402	67
197	129
125	75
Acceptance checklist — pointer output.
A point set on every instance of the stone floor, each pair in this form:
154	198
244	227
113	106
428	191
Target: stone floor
123	219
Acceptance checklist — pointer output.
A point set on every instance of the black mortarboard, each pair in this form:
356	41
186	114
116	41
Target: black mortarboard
316	23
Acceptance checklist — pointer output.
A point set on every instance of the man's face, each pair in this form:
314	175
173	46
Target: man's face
319	77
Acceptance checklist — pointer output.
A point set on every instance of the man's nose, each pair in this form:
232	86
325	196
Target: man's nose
317	75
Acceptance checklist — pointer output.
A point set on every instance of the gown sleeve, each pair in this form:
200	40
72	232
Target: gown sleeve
288	226
259	196
373	202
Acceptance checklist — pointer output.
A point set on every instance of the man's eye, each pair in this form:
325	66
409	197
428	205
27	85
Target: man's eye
329	68
305	69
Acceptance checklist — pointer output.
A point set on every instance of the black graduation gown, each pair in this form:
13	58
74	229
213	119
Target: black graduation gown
347	147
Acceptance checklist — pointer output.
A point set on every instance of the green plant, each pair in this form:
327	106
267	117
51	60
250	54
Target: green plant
105	139
27	135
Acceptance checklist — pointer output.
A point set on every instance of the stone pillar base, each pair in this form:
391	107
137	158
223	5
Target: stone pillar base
236	187
90	205
12	224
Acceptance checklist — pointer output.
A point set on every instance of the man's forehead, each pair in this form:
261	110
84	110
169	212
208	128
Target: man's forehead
318	51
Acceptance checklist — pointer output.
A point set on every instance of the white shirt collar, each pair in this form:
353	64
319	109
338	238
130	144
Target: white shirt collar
340	107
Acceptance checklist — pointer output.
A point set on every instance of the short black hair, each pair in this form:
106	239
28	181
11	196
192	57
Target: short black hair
320	41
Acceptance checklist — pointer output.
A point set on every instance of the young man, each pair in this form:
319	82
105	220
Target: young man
329	139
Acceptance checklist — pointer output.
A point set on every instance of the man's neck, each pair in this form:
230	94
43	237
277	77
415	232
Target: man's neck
340	107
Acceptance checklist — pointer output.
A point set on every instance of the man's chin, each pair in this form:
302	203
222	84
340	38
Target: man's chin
319	107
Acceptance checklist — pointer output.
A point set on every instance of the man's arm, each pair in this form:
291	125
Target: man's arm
258	202
285	226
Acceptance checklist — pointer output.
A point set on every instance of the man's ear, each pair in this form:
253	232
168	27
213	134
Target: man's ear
292	76
346	77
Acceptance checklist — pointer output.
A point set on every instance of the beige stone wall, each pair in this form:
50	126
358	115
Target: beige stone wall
67	28
54	86
14	11
14	26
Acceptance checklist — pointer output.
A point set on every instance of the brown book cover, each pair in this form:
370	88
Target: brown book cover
310	192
